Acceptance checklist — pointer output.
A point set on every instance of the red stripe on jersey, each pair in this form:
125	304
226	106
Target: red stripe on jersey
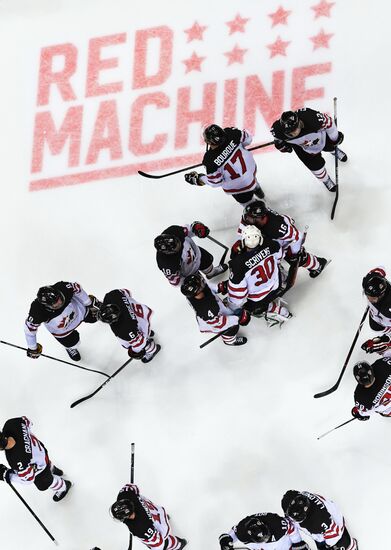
214	177
242	189
219	322
251	296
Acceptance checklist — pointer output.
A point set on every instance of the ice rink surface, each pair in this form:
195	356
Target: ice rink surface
221	432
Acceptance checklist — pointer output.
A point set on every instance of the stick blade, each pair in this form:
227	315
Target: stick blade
152	176
324	393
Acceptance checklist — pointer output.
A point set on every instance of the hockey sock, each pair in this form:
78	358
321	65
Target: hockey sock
311	262
58	484
321	174
150	348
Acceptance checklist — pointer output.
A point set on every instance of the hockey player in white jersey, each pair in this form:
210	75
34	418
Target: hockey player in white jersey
308	133
319	518
228	164
29	460
178	255
62	307
130	322
256	281
373	391
211	313
377	289
145	520
264	531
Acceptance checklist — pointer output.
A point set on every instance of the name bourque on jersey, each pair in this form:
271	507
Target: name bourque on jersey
231	166
211	313
28	457
312	137
255	273
186	262
62	321
377	398
324	522
132	328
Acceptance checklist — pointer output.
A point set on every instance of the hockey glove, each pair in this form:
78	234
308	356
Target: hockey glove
380	344
222	287
200	230
194	178
136	354
226	542
356	414
4	473
94	307
244	318
282	146
34	353
339	139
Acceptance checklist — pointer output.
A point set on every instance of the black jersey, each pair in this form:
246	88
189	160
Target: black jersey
19	457
278	526
245	261
142	525
183	263
318	520
312	122
380	312
39	314
207	307
126	327
377	396
214	158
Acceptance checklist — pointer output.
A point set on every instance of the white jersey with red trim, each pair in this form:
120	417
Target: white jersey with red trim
230	165
254	273
28	457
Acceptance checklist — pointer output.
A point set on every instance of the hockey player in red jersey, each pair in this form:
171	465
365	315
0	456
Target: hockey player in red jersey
178	255
318	518
262	532
373	391
62	307
308	133
228	164
130	322
211	312
378	292
145	520
29	460
282	229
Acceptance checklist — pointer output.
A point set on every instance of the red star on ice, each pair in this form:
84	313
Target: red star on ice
280	16
195	32
321	40
278	47
237	24
323	8
235	55
193	63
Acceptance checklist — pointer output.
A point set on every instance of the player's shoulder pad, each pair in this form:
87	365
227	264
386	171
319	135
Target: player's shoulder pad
176	231
312	120
67	288
233	134
38	314
112	297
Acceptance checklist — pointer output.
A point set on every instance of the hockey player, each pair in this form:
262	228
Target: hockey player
178	255
228	164
145	520
262	532
308	133
282	229
29	460
62	307
373	391
378	292
319	518
211	313
256	280
130	322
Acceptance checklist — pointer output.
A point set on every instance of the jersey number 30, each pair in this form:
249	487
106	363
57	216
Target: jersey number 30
264	271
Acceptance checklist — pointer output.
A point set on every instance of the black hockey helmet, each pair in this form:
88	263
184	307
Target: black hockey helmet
254	210
257	530
192	285
289	121
109	313
3	441
295	505
122	509
48	296
214	135
374	284
168	244
363	373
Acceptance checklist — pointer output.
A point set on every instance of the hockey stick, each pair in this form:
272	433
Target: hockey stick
75	403
293	269
214	337
132	452
195	165
59	360
32	513
333	388
336	428
222	246
335	165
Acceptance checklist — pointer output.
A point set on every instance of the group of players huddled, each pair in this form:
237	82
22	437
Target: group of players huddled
264	259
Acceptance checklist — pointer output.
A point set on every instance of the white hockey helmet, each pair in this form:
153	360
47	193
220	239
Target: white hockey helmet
251	236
